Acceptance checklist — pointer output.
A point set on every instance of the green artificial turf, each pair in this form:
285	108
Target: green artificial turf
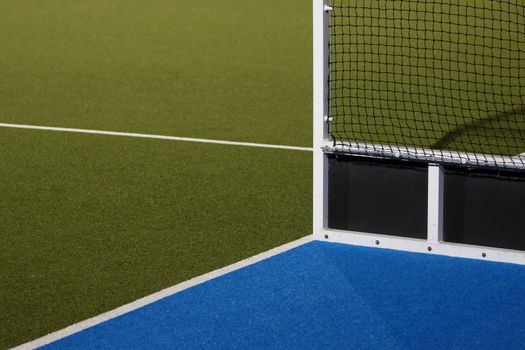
90	222
233	69
93	222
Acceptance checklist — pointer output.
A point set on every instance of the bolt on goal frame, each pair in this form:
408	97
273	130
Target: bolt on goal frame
437	198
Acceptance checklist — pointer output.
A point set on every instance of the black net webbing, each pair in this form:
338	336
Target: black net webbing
430	80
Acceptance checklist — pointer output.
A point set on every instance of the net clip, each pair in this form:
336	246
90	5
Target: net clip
328	8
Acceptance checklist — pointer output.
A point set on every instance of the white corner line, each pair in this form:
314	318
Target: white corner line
77	327
152	136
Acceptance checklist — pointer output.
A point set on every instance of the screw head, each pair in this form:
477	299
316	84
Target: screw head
429	249
377	242
326	236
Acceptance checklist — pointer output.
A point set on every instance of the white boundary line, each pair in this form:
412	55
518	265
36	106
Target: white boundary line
77	327
150	136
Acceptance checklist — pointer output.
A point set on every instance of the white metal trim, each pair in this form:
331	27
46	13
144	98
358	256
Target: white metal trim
435	203
423	246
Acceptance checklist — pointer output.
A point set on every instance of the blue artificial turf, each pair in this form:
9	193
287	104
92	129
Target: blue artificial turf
323	295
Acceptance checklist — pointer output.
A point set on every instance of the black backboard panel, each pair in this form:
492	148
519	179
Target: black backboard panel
377	196
484	208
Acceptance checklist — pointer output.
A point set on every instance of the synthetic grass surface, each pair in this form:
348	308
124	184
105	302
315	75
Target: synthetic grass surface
332	296
93	222
90	223
235	69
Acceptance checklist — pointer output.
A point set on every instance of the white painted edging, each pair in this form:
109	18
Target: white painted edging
159	295
152	136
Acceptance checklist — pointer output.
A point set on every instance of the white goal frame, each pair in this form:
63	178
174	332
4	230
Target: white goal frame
434	243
